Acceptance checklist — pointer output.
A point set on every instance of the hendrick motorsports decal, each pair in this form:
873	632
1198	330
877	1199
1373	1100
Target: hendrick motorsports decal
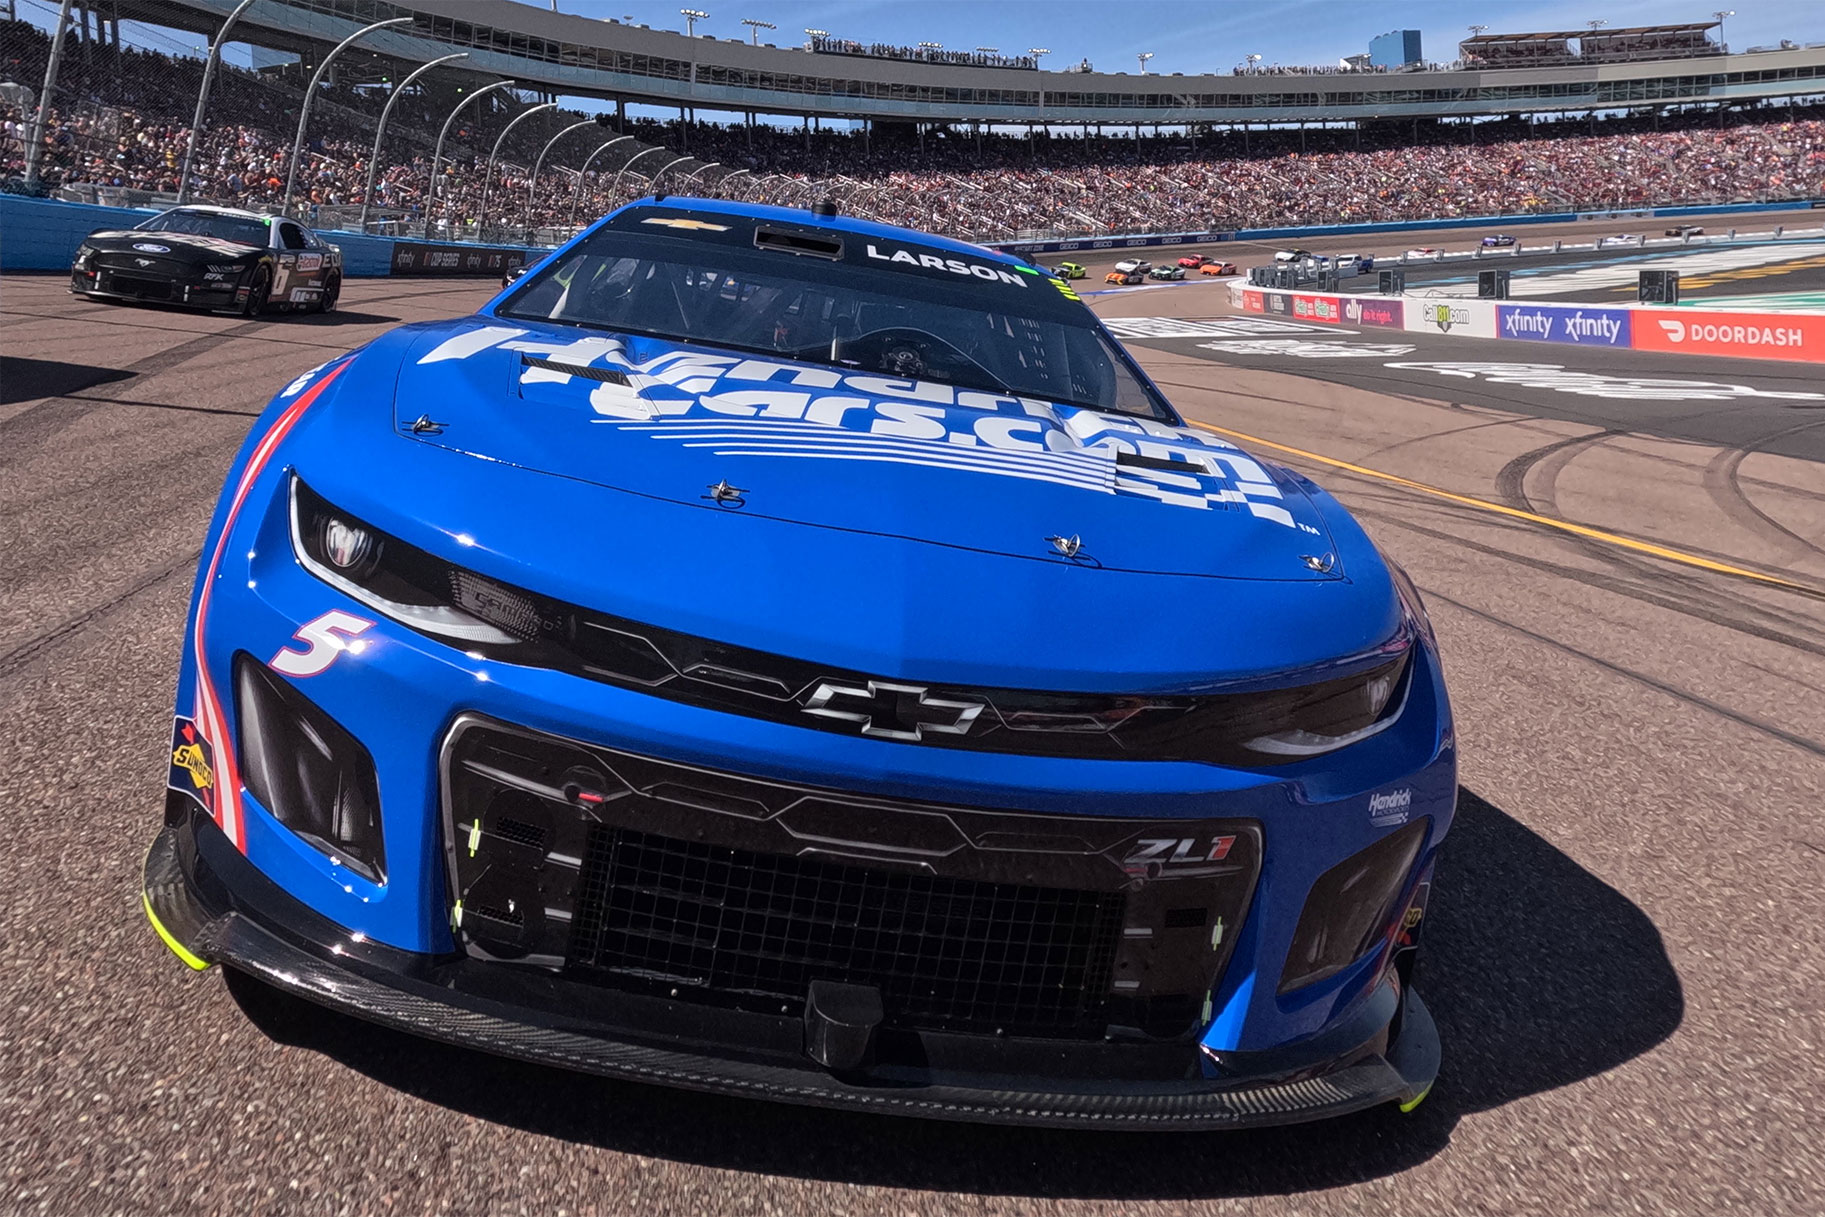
737	406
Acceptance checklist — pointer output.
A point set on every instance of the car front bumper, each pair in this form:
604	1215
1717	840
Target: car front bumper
212	906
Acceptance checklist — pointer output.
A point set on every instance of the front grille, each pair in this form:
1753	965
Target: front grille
134	285
945	953
719	888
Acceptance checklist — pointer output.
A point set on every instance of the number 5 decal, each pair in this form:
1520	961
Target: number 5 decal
323	639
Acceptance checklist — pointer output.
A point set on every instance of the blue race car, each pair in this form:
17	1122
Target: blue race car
770	653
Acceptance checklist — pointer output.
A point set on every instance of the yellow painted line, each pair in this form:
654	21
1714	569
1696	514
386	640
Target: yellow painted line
1594	534
177	948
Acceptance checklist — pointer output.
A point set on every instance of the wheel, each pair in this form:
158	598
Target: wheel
332	288
257	292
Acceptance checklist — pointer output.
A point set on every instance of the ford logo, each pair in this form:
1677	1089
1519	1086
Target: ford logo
147	247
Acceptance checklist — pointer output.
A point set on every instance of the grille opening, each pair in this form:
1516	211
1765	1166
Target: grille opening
1181	919
756	929
520	832
816	246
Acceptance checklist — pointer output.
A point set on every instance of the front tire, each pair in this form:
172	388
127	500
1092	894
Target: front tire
258	292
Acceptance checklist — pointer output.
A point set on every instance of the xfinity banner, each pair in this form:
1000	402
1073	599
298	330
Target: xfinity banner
1591	327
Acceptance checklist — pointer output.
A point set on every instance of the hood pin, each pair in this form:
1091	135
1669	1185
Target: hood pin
1069	546
1322	563
722	492
425	425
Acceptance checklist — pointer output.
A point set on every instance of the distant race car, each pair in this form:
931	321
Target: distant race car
1070	270
1137	266
1193	261
645	679
1293	255
1500	240
511	275
1218	268
1686	230
1166	272
216	258
1425	251
1125	277
1621	238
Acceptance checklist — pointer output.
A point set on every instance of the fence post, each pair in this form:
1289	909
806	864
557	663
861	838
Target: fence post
35	150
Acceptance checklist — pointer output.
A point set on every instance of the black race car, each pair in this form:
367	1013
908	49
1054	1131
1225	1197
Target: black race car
211	257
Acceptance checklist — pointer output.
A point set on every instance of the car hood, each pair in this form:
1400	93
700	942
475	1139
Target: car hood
189	246
818	446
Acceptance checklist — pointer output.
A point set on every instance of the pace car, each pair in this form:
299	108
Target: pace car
719	662
217	258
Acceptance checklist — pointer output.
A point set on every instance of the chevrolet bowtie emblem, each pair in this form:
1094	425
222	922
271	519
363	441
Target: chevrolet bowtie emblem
890	711
697	225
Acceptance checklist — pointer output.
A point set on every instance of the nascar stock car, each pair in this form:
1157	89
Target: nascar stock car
1193	261
1500	240
1218	268
211	257
1069	270
1126	278
717	663
1168	273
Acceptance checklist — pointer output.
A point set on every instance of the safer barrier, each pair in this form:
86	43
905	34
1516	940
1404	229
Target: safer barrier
1799	337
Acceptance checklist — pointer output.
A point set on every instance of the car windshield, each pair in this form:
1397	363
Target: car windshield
945	320
239	229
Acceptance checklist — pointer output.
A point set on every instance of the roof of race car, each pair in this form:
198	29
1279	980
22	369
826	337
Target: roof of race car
212	209
803	218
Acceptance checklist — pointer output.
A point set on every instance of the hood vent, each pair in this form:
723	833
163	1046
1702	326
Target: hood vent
612	376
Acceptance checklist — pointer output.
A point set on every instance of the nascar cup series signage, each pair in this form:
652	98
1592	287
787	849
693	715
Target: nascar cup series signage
1797	336
1591	327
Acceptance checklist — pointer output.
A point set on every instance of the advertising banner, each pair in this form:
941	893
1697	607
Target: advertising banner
1457	315
1278	302
1317	308
1374	310
1797	336
1591	327
424	258
1251	302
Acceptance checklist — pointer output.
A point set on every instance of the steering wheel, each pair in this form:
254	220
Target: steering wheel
907	354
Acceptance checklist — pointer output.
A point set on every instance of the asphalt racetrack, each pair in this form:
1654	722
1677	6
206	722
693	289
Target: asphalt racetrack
1626	950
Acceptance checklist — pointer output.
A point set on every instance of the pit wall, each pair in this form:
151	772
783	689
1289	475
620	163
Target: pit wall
1089	244
1798	337
42	234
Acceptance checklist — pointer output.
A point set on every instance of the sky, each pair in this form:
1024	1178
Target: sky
1197	35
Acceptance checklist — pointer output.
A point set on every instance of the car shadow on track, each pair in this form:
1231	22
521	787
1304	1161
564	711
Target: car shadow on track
31	379
1538	974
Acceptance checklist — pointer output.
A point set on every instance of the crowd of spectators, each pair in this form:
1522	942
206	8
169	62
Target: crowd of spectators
124	126
921	53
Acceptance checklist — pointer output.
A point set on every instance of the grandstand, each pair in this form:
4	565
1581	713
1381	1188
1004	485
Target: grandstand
119	124
1559	48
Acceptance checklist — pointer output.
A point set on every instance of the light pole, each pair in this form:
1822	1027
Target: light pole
367	195
816	36
988	50
310	95
1476	31
929	47
35	149
1038	53
691	17
1144	56
1252	61
614	189
600	120
754	29
481	215
577	197
202	99
666	168
1722	15
438	153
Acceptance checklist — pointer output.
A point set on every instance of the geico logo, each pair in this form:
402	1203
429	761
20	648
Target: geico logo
955	266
